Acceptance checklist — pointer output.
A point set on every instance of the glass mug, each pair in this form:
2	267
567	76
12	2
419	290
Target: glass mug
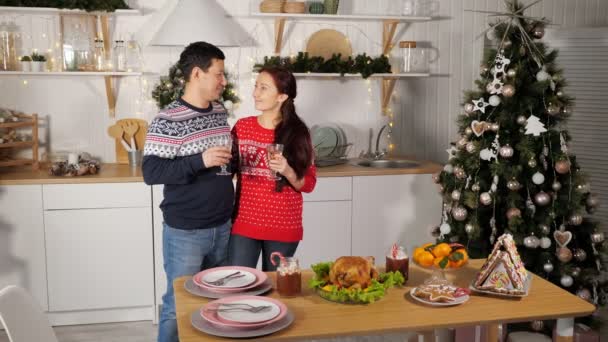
397	260
289	275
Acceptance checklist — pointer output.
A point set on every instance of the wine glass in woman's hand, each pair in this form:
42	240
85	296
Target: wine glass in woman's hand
274	151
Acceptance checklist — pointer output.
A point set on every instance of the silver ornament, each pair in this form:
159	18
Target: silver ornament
584	294
456	195
485	198
580	254
559	93
469	229
556	186
469	108
542	198
566	281
448	168
532	162
575	271
545	242
531	241
538	32
597	237
552	110
544	229
468	131
548	267
459	213
511	73
475	187
537	325
471	147
508	90
521	120
494	101
542	76
494	127
445	229
506	151
513	185
576	219
538	178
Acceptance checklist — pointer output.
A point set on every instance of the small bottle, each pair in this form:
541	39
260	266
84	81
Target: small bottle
119	56
99	55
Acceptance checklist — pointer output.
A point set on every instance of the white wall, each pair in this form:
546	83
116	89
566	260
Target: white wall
425	110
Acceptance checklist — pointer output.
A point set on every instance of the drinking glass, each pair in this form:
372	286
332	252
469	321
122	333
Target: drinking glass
274	150
225	141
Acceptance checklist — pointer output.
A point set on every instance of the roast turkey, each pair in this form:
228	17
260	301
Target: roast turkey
353	272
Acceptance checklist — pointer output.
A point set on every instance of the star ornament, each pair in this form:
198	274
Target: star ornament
496	86
480	105
451	152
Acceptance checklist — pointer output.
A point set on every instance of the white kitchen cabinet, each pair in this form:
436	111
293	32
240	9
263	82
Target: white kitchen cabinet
22	250
389	209
100	258
160	278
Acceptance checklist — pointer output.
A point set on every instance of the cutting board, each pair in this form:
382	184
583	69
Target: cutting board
140	138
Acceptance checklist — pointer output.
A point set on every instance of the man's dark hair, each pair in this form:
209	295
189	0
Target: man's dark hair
198	54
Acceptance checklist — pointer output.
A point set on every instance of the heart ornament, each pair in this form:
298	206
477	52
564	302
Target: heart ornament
478	127
562	237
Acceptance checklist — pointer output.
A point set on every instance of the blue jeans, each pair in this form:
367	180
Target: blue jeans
245	251
187	252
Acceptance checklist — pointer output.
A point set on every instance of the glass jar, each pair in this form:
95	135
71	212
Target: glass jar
99	56
119	56
82	53
397	260
133	52
289	276
414	58
8	46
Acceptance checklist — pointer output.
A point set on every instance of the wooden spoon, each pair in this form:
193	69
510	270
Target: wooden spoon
131	129
116	131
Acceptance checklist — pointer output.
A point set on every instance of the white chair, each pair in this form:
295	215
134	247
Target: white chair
22	317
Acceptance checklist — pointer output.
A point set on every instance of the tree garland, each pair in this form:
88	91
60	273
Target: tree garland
88	5
171	87
302	63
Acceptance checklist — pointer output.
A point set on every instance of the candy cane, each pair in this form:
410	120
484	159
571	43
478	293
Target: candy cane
278	254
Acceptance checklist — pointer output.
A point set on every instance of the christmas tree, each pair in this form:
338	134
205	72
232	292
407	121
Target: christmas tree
511	171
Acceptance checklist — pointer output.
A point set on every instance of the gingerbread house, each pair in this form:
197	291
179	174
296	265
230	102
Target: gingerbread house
503	271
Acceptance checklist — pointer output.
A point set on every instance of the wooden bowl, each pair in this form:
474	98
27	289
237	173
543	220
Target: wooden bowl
294	7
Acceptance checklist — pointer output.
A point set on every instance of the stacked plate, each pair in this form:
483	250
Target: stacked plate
238	280
329	141
242	317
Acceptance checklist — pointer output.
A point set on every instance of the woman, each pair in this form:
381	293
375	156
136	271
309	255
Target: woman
268	212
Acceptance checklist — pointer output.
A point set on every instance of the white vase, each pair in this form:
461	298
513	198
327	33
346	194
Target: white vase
26	66
38	66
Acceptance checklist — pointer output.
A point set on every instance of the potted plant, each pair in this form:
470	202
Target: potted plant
38	62
26	63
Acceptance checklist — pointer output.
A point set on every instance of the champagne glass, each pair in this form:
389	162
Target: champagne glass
274	150
225	141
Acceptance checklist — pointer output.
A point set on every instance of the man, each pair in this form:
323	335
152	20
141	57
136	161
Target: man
181	152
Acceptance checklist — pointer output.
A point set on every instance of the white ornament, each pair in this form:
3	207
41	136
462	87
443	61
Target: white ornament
534	126
487	154
445	229
481	105
538	178
228	105
542	76
500	64
566	281
451	152
496	86
491	34
494	100
448	168
545	242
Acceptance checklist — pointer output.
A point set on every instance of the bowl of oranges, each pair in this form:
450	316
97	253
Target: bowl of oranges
440	257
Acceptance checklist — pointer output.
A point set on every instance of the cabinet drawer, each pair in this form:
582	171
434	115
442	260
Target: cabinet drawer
331	189
102	195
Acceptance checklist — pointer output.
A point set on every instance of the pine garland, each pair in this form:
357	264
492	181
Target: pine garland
88	5
171	87
302	63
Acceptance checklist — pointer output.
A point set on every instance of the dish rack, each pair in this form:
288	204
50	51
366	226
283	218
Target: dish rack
335	155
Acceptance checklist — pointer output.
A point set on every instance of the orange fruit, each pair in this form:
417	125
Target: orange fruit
442	250
442	262
425	259
417	251
458	258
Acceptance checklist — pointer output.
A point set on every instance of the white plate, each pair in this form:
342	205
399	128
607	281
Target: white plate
247	279
199	323
243	316
342	141
458	300
192	288
508	295
324	140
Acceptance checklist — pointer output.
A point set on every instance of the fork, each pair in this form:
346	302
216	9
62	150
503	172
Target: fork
222	280
254	309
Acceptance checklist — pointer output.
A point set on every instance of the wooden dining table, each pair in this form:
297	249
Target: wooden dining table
397	311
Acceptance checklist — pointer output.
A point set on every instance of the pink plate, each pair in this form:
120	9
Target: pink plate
259	275
212	317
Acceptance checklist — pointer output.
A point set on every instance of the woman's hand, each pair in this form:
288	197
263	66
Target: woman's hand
279	164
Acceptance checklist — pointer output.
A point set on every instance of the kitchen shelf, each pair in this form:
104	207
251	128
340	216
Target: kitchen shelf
389	24
17	144
50	10
25	121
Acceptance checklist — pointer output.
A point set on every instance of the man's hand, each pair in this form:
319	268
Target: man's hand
216	156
